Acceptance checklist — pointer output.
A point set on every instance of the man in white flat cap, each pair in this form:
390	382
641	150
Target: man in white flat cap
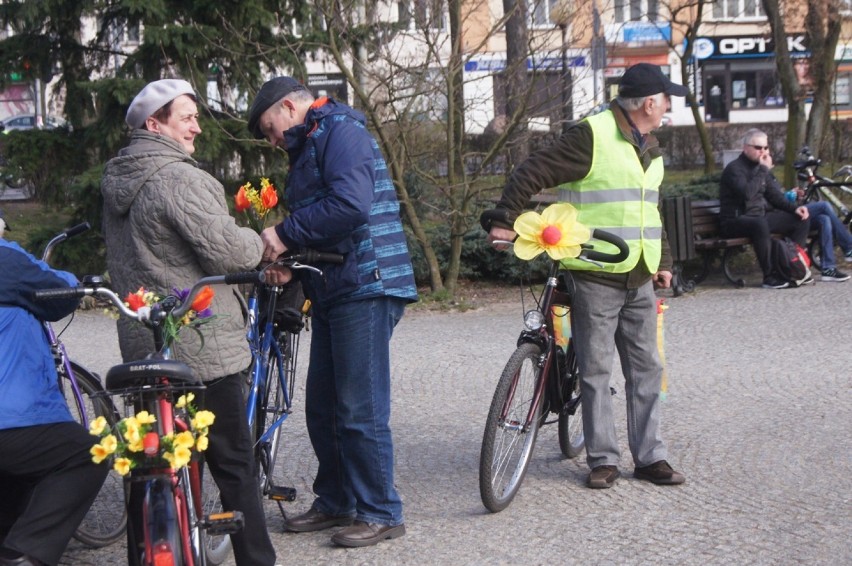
166	225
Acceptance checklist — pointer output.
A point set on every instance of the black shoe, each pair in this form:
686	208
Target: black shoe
22	560
366	534
603	477
659	473
314	520
773	282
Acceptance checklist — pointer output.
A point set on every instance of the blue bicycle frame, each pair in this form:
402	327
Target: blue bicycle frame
261	345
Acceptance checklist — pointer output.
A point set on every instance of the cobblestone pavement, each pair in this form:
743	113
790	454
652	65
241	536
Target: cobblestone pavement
757	416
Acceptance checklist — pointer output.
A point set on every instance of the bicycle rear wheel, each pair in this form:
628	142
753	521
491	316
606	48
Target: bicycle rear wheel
507	445
570	427
105	522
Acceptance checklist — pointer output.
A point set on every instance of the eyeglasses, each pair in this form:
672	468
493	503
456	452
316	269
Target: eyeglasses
759	147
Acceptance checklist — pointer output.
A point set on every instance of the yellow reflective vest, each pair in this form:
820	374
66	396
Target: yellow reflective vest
618	195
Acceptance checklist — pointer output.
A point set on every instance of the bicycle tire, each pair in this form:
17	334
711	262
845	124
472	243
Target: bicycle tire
272	405
570	424
506	451
105	522
217	548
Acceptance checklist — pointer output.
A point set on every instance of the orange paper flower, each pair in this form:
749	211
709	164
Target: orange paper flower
203	299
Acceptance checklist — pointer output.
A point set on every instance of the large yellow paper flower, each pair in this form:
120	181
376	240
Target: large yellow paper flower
97	426
122	466
555	231
202	420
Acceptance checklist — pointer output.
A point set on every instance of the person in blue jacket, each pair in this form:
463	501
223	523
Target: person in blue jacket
342	200
47	478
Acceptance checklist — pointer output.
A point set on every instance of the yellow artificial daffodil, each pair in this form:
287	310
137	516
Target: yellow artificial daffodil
122	466
184	439
97	426
202	443
103	450
202	420
183	400
555	231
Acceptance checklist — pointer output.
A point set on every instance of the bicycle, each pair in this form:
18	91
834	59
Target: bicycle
819	188
273	338
170	526
105	522
541	377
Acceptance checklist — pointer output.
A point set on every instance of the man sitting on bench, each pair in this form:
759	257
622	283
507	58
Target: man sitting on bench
747	193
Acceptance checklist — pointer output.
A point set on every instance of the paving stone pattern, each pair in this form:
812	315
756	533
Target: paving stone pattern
758	417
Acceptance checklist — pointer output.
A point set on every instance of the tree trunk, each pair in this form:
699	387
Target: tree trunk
823	25
517	49
793	93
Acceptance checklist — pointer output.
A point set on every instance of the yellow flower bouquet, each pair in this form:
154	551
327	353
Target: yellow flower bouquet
255	203
134	442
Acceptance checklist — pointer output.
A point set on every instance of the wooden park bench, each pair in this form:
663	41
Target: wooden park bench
692	227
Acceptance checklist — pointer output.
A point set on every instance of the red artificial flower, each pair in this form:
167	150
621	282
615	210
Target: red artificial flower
241	201
203	299
135	300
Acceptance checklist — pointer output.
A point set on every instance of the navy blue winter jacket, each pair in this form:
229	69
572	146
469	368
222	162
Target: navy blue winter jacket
29	393
342	200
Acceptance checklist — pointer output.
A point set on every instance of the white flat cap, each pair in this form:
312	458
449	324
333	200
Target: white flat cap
154	96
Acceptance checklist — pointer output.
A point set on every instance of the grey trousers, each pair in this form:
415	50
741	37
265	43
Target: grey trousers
604	319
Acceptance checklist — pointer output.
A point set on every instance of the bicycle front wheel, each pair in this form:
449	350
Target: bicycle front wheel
105	522
507	443
217	547
570	427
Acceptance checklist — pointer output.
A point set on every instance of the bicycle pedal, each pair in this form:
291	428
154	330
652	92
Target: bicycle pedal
281	493
225	523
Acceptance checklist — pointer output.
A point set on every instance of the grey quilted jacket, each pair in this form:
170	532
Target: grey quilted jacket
166	225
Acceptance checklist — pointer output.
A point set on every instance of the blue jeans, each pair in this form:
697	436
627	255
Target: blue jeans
830	229
347	409
604	319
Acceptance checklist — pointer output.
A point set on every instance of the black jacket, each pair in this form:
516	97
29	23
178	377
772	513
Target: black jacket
748	189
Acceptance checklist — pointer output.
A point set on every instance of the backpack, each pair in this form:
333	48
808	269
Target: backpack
791	262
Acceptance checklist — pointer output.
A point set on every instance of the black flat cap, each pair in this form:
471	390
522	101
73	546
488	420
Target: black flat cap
271	92
645	79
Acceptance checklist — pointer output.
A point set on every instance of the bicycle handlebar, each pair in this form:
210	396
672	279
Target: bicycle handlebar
62	236
609	237
311	256
589	254
144	315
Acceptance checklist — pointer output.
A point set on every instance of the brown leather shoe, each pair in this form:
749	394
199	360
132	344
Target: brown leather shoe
660	473
366	534
314	520
603	477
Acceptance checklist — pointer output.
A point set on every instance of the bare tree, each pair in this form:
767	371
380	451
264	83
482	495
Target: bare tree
687	18
407	76
821	20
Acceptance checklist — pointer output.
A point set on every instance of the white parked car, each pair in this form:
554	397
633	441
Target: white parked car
28	122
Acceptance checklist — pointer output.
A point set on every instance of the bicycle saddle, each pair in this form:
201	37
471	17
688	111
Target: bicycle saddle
149	372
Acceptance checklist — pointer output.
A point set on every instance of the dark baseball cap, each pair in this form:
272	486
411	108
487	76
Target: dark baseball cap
3	218
271	92
645	79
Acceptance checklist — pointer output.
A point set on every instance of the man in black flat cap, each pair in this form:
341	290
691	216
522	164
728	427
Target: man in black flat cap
610	166
341	200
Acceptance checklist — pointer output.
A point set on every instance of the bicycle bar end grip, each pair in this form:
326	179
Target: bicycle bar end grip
244	277
52	294
78	229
